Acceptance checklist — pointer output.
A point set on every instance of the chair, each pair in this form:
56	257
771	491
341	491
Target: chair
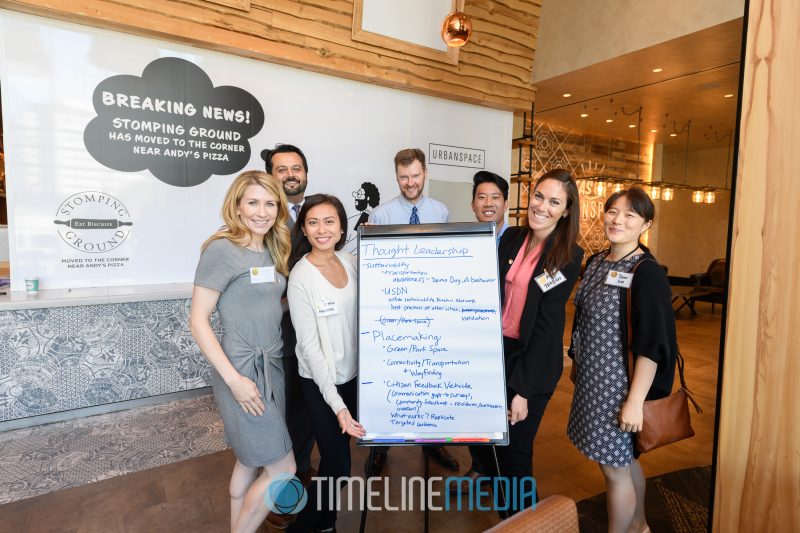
556	514
712	281
684	293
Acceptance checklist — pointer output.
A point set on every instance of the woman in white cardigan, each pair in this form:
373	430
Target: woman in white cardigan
322	301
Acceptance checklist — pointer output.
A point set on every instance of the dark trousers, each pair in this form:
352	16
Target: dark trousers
334	451
477	465
516	459
297	420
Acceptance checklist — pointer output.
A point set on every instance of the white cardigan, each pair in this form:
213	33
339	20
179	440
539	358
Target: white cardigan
326	345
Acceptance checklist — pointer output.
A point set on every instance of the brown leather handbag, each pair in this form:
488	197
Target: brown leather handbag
665	420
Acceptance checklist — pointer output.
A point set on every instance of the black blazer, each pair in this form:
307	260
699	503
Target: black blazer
537	366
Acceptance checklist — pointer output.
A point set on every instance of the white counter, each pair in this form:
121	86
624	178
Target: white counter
4	243
94	296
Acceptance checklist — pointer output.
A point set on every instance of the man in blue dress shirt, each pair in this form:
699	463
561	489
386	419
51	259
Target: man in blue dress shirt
411	206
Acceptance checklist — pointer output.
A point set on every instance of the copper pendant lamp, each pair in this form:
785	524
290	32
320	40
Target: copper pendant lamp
456	29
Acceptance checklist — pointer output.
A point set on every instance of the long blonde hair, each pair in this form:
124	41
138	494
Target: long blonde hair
277	239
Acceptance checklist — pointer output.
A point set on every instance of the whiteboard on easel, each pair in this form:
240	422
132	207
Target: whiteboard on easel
431	365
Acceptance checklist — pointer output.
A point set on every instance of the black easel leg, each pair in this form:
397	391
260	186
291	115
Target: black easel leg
364	493
499	484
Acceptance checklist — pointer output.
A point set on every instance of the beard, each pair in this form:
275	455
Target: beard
299	187
407	194
361	205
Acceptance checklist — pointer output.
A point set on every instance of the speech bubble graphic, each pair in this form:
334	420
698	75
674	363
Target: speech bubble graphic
173	122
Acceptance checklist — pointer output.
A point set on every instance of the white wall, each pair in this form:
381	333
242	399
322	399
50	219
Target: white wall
687	236
577	33
350	132
456	196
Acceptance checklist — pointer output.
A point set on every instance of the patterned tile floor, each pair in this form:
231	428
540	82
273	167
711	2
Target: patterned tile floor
51	457
44	459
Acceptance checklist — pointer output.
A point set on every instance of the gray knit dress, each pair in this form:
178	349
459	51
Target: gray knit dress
251	339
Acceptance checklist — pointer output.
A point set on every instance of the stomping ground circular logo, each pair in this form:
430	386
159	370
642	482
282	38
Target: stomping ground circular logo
93	222
285	494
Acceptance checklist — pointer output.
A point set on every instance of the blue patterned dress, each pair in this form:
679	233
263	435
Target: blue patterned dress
601	386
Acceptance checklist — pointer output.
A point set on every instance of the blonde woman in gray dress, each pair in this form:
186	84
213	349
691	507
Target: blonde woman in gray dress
242	274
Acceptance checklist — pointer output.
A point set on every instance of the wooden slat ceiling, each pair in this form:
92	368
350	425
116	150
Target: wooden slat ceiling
699	69
494	68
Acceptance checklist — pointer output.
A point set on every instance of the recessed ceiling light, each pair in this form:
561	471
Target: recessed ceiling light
653	131
728	96
584	115
657	69
631	125
673	134
609	120
566	95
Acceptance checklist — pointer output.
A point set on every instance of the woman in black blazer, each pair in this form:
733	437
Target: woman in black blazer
539	265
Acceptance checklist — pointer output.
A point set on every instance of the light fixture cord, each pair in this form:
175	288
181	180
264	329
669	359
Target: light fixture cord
686	155
637	112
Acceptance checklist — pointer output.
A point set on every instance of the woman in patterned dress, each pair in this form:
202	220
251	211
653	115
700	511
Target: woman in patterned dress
242	274
606	408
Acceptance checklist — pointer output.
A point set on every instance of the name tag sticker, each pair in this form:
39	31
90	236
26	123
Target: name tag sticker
546	281
326	308
262	274
616	278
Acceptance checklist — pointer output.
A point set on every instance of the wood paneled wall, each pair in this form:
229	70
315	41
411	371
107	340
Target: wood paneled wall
494	67
758	458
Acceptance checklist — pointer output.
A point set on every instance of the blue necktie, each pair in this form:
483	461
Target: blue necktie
414	216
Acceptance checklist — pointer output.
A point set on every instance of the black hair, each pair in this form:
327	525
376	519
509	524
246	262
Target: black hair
300	244
372	193
638	200
266	155
484	176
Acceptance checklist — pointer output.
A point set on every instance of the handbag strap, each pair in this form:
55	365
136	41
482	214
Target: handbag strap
631	359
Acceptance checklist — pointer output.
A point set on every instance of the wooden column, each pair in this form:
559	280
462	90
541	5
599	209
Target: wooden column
758	459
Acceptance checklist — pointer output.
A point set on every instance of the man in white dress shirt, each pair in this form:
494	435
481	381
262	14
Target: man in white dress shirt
489	203
490	200
288	163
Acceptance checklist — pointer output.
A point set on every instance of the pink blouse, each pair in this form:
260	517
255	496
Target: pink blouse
516	290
